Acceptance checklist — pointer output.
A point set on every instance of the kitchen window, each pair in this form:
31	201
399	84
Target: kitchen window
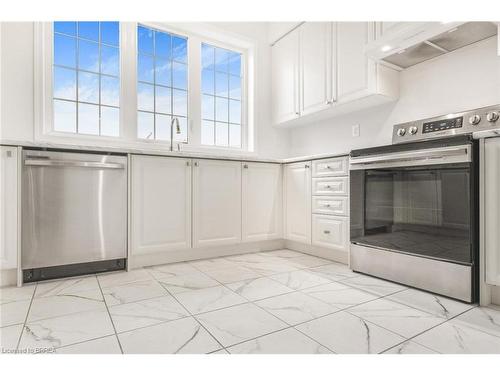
162	84
102	82
221	96
86	78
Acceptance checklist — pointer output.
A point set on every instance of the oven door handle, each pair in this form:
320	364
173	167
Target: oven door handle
442	155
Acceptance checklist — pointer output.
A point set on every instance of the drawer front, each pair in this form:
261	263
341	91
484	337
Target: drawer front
330	186
330	167
330	232
330	205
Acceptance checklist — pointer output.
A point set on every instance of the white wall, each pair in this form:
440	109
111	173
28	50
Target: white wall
16	81
16	111
465	79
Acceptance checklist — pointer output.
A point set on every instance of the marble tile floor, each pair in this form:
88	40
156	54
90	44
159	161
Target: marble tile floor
274	302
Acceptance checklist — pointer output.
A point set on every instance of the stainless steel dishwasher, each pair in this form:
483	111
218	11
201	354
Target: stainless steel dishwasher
74	213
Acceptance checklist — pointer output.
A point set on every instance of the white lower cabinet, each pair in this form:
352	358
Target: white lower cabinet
298	202
216	203
330	232
160	204
262	201
8	207
330	204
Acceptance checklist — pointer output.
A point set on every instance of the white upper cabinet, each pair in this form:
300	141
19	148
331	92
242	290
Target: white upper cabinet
8	207
316	67
262	201
355	72
335	76
298	202
216	203
160	204
285	78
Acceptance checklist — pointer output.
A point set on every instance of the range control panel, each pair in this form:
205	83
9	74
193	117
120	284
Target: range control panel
444	126
436	126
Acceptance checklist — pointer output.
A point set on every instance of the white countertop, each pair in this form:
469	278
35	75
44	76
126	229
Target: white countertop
181	154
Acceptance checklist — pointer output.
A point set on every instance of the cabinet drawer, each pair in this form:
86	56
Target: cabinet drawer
330	231
330	167
330	205
330	186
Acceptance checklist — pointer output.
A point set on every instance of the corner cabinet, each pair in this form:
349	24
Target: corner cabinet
160	204
298	202
321	70
262	201
9	200
216	203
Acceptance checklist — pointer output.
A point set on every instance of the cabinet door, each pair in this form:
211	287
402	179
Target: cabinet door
8	207
285	78
298	202
262	201
316	64
216	203
160	204
330	232
355	72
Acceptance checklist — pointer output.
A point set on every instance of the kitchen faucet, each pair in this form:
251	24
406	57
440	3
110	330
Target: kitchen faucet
177	131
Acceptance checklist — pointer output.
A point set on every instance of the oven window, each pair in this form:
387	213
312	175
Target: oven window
423	212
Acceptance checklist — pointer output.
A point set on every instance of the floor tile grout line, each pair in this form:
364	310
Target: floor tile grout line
201	324
292	326
110	317
413	307
418	334
277	317
427	330
254	338
85	341
26	318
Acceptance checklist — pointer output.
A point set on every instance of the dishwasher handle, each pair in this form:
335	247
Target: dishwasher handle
72	163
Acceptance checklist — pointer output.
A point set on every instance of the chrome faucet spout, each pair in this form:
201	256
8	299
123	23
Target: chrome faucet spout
175	121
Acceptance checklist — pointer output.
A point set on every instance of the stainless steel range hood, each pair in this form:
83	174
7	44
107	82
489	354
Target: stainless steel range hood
428	40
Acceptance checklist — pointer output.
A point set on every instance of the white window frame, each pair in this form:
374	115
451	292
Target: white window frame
44	108
196	33
189	122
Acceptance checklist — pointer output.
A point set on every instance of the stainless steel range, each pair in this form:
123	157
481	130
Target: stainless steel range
414	204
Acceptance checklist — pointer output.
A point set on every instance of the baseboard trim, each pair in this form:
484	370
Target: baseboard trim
323	252
137	261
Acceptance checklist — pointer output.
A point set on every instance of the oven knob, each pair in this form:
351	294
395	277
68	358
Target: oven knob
401	132
492	116
474	120
413	130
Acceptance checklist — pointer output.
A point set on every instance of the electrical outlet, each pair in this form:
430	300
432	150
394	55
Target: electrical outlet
355	130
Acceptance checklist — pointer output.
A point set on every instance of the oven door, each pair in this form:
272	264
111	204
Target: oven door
413	218
417	203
